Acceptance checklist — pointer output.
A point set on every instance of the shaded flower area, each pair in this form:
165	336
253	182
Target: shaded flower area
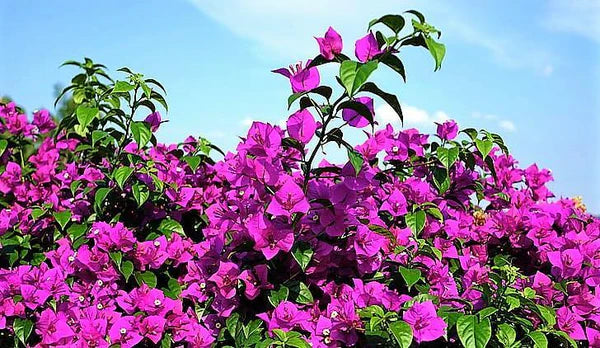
111	239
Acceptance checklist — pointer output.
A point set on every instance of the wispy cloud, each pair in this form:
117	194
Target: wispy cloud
507	125
413	117
283	29
504	124
579	17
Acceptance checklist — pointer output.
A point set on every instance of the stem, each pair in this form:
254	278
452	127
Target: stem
129	120
318	146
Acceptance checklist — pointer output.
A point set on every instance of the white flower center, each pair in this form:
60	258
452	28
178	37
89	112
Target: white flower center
326	332
99	306
71	258
157	302
156	243
99	282
123	331
334	314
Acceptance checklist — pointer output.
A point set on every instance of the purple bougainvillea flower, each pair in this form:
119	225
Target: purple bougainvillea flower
367	47
226	279
53	328
566	263
301	78
354	118
154	120
447	130
367	242
331	44
301	126
124	332
269	238
43	121
286	316
395	204
568	322
288	199
426	324
263	139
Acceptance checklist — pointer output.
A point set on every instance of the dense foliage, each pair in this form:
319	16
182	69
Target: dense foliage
111	239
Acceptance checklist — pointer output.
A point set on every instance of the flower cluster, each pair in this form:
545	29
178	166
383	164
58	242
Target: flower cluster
410	240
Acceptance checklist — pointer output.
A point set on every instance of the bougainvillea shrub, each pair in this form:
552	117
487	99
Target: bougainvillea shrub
110	239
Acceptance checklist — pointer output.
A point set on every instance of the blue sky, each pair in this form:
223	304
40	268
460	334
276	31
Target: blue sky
529	70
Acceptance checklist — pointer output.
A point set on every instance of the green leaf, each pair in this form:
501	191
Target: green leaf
117	257
148	278
166	341
275	297
141	133
472	332
22	329
402	333
356	160
297	342
410	275
506	334
354	74
120	175
437	50
85	115
418	14
484	146
539	339
547	314
168	226
62	218
391	99
486	312
127	269
441	180
359	107
304	294
193	161
101	194
395	64
147	90
174	287
232	322
513	302
394	22
140	193
302	253
436	213
3	145
98	135
447	156
122	86
76	231
416	221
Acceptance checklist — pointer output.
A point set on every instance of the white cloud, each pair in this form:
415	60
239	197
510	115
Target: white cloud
494	120
286	30
580	17
247	122
413	117
507	125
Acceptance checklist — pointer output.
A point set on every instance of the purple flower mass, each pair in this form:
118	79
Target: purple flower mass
109	238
